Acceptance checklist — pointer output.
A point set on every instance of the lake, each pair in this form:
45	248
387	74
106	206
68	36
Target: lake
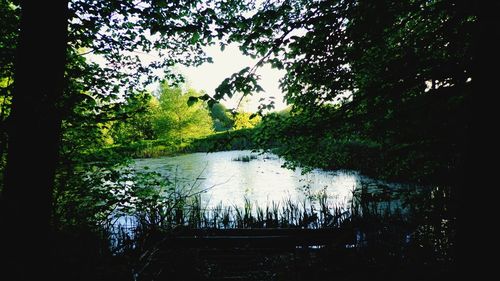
261	179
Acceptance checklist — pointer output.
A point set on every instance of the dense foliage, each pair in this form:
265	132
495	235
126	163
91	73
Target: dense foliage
377	86
179	121
104	100
9	19
381	92
60	100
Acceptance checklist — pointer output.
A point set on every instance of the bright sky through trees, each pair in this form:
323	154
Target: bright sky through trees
209	75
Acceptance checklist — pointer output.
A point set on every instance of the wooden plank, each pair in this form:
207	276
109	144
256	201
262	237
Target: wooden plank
262	238
258	232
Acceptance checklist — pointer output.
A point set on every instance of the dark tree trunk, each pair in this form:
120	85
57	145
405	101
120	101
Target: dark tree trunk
34	131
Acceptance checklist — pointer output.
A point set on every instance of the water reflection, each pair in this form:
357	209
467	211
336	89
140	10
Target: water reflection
386	220
261	180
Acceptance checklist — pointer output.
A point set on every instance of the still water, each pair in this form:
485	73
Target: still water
261	180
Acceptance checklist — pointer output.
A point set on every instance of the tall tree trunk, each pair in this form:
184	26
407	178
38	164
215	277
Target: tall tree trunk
34	129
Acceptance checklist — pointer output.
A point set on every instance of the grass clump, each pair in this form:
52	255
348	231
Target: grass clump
245	158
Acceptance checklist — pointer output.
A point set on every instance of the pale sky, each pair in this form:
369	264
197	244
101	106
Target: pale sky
209	75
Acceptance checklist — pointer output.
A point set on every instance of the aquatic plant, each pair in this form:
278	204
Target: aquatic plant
245	158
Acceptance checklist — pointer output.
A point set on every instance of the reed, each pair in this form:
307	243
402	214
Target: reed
379	234
245	158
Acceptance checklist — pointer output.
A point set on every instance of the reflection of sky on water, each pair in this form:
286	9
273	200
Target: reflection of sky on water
261	180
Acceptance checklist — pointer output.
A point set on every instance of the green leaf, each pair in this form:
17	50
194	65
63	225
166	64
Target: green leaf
192	100
211	103
205	97
195	38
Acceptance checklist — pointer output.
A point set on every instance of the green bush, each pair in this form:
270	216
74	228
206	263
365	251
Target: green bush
229	140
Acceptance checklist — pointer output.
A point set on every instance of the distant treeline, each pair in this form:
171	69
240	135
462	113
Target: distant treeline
228	140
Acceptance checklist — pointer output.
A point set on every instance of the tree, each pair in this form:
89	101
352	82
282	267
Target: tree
34	115
138	126
245	120
52	80
178	121
9	20
399	72
329	48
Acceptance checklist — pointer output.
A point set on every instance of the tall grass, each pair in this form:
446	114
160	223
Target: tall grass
379	233
363	211
383	229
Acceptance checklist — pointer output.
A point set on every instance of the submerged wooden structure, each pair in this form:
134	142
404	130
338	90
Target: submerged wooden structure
250	254
259	238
